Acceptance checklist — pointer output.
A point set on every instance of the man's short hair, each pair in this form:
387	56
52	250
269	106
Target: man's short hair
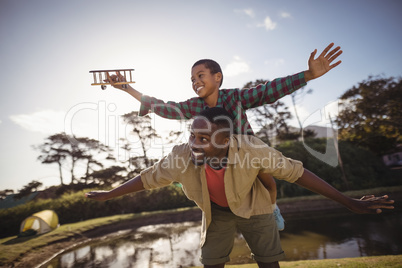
218	116
212	65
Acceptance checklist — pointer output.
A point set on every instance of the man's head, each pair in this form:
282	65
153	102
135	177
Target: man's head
206	77
209	136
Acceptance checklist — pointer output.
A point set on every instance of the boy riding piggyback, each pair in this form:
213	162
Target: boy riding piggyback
207	78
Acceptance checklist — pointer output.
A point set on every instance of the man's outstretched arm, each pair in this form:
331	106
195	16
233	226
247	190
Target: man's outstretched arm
367	204
132	186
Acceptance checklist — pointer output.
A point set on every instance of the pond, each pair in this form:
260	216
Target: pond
177	245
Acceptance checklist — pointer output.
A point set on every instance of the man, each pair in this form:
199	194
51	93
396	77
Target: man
218	171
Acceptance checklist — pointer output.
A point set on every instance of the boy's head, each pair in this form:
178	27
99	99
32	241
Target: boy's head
206	73
211	65
210	135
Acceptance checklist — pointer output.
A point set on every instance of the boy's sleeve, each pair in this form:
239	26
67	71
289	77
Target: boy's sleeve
271	91
170	110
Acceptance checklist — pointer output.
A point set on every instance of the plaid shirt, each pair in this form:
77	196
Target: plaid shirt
235	101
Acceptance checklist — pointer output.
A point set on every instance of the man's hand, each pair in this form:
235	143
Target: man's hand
321	65
367	204
132	186
98	195
371	204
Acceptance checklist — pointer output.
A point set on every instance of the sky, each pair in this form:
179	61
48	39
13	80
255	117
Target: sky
48	47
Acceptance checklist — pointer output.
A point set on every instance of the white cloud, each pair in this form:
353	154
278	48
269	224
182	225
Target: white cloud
268	24
248	11
236	67
82	120
46	121
285	15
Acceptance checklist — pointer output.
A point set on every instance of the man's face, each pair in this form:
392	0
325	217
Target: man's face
208	142
204	83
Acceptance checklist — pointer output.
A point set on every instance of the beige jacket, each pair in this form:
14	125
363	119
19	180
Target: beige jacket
246	195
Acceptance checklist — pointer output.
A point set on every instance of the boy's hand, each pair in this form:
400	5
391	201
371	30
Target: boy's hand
98	195
371	204
118	77
321	65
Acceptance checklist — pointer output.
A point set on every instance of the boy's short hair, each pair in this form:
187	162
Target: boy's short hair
218	116
212	65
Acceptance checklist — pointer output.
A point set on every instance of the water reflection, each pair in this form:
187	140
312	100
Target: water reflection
177	245
165	245
342	237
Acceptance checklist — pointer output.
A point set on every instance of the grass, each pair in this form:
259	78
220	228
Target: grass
392	261
372	262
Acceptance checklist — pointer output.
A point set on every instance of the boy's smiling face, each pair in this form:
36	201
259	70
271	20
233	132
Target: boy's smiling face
204	83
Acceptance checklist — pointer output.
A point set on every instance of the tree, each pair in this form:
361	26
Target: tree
173	138
107	176
91	150
272	118
141	128
4	193
297	97
29	188
53	151
371	115
66	151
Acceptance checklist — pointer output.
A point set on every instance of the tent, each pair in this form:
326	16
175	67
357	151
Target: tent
42	222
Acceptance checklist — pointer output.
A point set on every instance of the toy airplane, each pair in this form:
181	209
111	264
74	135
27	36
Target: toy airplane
100	77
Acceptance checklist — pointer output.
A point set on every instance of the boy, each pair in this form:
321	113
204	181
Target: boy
218	171
207	78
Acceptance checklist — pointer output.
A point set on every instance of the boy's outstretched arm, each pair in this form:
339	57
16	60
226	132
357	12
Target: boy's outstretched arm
133	185
112	79
367	204
321	65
